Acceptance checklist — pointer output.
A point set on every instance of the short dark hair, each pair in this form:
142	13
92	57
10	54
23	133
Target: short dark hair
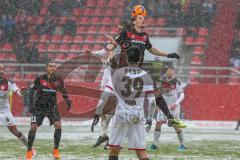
50	61
133	55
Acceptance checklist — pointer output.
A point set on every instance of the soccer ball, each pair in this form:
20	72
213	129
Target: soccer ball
139	10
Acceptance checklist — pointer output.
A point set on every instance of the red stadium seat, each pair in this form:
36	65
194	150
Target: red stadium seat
196	60
101	3
150	22
92	29
95	20
12	57
203	32
199	50
75	48
189	40
97	47
98	12
46	3
34	38
116	21
40	20
201	41
85	46
64	48
7	47
81	30
78	39
44	38
103	30
62	20
160	22
100	39
107	21
29	77
113	30
181	31
88	12
56	38
31	20
71	56
43	11
41	47
17	77
60	57
52	48
3	56
91	3
76	12
83	20
109	12
90	39
67	39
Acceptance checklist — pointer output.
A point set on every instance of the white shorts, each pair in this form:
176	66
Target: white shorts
133	131
160	116
6	119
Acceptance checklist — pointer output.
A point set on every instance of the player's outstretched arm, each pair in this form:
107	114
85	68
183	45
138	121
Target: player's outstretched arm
160	53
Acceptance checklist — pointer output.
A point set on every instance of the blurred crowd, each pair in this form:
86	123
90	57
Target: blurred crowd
15	19
179	13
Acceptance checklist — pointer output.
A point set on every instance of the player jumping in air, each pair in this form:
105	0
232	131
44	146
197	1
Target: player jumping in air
6	117
129	85
173	94
43	102
106	55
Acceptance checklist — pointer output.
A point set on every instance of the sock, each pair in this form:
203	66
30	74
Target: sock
23	139
113	158
180	137
156	136
57	137
104	124
31	138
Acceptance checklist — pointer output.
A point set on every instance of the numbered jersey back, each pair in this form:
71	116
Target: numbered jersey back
130	85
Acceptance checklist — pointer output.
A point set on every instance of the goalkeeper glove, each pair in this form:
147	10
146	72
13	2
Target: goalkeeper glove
173	55
149	124
95	122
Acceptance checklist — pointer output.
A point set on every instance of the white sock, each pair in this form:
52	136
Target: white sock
180	137
156	136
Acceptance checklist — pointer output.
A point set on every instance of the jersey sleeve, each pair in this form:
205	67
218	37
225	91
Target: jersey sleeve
12	86
179	88
121	37
148	44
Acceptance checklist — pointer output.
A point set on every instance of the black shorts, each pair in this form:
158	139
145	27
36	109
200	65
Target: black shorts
38	116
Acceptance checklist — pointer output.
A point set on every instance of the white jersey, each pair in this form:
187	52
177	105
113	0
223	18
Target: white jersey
171	90
130	85
104	55
6	87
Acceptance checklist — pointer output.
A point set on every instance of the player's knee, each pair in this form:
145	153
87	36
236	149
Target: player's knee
159	124
178	130
34	127
114	151
57	125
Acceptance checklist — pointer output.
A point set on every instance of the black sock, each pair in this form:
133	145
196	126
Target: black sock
31	138
161	103
113	158
57	137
